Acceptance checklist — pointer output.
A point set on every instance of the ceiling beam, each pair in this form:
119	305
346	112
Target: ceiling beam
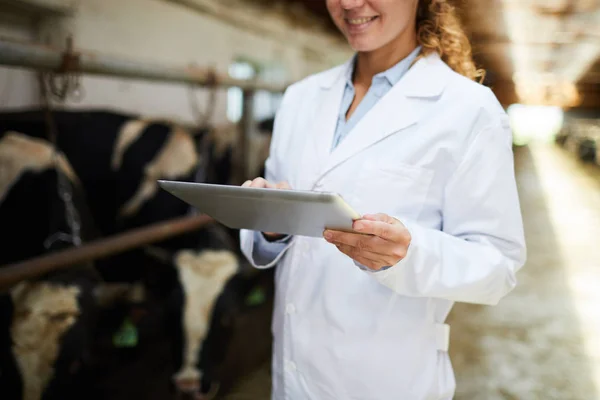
329	47
591	78
506	94
565	39
56	8
542	9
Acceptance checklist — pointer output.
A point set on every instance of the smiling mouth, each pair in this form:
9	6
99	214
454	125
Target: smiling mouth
360	21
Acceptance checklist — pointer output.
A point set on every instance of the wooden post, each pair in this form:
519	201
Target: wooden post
246	132
14	273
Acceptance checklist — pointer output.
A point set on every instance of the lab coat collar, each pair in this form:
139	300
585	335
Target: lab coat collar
392	75
430	65
399	109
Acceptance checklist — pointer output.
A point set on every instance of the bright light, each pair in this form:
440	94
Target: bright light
535	123
235	96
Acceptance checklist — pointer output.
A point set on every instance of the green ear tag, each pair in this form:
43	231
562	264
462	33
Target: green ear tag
256	297
127	336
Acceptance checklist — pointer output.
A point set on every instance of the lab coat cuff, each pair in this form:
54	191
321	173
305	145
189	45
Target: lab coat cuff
260	252
270	245
284	239
365	268
387	272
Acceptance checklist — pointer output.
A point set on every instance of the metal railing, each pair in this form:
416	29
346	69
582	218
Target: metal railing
70	61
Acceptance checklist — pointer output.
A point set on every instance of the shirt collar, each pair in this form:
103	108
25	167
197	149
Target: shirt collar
391	75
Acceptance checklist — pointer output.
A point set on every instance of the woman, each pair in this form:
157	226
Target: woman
404	133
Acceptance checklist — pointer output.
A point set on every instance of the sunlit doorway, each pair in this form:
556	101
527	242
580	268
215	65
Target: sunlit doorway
535	123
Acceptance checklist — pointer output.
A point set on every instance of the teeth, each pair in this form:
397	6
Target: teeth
358	21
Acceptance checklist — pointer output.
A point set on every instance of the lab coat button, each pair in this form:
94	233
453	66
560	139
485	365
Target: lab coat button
290	309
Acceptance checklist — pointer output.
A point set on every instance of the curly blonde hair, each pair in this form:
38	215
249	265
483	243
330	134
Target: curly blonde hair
439	30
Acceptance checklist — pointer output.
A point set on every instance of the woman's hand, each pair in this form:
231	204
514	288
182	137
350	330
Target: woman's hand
263	183
382	241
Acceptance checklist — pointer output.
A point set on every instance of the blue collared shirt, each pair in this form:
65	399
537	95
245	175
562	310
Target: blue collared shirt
266	251
380	85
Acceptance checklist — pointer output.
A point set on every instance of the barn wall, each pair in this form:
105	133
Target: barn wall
159	31
17	87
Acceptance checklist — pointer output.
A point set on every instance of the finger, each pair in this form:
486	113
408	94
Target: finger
384	230
283	185
246	184
270	185
353	253
389	252
253	182
373	244
381	217
261	183
379	259
339	237
371	264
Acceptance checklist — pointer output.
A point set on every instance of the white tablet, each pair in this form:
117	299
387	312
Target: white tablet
292	212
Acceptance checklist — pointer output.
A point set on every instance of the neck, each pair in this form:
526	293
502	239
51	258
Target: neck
371	63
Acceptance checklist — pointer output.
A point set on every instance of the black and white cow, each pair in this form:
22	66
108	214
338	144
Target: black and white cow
117	159
39	315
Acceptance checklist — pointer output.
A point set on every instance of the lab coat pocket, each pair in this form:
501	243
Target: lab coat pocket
396	189
399	363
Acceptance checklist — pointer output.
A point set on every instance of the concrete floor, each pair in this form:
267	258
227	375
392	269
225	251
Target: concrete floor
543	340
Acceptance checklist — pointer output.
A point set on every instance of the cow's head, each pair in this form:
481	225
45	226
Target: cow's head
42	203
239	338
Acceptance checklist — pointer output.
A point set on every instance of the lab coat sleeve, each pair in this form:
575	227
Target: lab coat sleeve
264	252
476	255
256	248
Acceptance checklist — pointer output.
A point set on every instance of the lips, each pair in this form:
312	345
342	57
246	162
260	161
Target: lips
359	24
360	21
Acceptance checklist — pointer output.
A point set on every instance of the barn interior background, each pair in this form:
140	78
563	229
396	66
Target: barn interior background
112	289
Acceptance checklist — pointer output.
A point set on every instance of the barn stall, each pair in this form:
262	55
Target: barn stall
217	67
130	309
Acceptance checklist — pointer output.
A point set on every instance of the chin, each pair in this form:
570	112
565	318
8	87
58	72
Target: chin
363	45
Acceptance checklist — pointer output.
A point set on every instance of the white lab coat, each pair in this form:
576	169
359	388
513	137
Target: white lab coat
434	152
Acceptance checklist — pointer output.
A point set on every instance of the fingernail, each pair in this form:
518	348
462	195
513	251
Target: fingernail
358	226
328	235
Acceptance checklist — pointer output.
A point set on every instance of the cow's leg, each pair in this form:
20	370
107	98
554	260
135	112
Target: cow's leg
203	276
43	312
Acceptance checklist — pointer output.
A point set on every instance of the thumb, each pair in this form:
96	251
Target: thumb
380	217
